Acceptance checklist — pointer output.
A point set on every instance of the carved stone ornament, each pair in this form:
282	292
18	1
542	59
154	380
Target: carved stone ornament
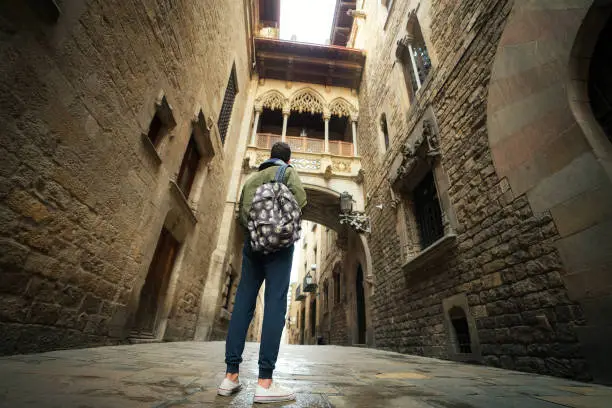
360	176
433	143
307	102
402	46
341	166
328	173
246	164
424	146
341	108
272	100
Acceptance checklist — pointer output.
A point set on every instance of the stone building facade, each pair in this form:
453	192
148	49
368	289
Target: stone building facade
486	177
121	126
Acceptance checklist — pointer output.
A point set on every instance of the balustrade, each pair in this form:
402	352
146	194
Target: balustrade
305	144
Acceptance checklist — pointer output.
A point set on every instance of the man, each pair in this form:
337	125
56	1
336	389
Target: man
275	270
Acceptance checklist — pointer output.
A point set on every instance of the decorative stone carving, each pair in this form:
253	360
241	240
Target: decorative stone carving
423	146
360	176
306	164
342	166
307	101
433	143
340	107
328	173
261	157
272	100
246	164
402	46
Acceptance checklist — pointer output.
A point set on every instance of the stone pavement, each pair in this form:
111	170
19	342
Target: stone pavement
186	374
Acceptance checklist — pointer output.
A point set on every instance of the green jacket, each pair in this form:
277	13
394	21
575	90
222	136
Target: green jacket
266	173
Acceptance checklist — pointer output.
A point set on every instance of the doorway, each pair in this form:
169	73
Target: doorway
313	320
361	312
302	324
154	290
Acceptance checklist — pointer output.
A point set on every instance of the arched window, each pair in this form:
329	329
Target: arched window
600	80
384	129
461	330
414	57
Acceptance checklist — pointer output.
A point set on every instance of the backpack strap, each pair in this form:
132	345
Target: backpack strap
280	173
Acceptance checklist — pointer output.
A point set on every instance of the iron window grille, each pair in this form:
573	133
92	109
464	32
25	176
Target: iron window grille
227	106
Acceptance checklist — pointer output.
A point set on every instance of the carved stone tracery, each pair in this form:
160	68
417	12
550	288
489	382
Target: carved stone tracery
341	108
272	100
307	101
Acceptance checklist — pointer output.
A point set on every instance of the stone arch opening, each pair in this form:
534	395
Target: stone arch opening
547	143
600	80
461	330
590	88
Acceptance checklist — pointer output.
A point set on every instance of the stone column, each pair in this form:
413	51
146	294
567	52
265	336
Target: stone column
326	117
285	120
415	70
354	128
258	110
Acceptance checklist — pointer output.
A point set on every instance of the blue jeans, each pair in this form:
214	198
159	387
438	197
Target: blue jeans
275	270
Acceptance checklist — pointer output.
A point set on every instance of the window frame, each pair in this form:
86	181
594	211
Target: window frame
188	163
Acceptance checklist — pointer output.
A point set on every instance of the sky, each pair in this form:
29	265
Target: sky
309	20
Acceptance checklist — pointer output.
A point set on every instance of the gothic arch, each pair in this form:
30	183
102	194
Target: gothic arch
308	100
272	99
341	107
539	144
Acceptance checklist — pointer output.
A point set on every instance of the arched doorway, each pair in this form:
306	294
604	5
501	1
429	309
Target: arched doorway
361	309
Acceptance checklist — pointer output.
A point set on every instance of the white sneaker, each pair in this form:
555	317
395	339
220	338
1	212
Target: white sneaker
275	393
228	387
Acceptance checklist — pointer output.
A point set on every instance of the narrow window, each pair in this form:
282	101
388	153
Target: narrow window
189	167
385	130
228	105
155	130
414	57
461	330
428	212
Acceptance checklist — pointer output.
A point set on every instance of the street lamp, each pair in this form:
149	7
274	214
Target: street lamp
309	284
346	203
357	220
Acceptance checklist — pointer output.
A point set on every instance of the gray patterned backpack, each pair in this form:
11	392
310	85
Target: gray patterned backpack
275	218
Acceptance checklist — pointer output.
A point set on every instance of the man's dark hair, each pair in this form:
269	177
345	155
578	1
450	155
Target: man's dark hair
281	150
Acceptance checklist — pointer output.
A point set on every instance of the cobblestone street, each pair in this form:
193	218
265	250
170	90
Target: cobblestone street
186	375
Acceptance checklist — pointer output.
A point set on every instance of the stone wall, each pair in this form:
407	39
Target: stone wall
504	261
82	199
338	330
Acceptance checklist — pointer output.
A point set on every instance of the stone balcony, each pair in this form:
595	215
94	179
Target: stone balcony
309	156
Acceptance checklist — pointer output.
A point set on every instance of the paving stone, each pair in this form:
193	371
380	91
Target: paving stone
339	377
